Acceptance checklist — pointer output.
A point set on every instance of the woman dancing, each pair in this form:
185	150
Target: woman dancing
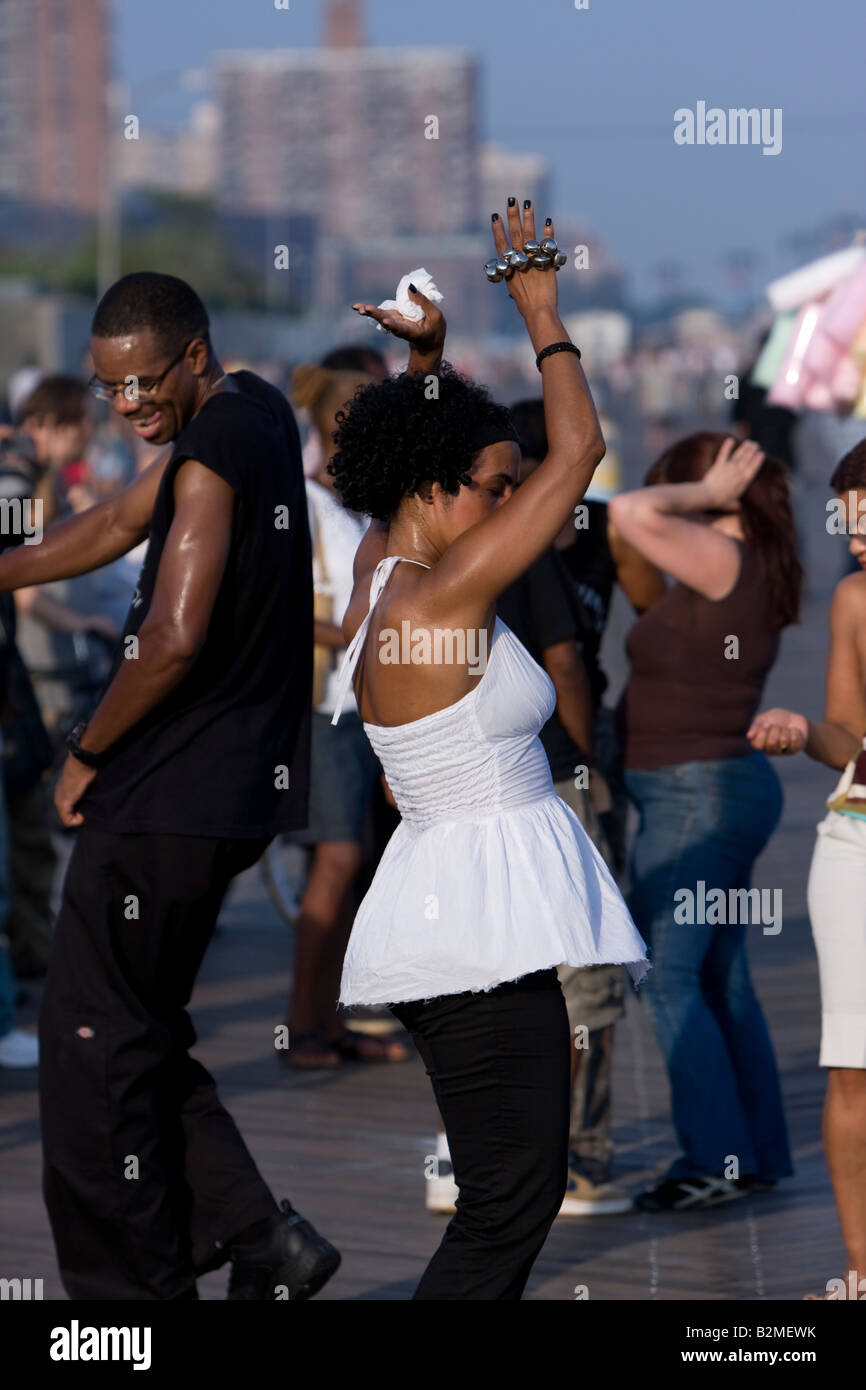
718	519
837	880
490	881
343	767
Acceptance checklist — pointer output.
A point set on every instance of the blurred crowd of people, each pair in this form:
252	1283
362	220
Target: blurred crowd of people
707	799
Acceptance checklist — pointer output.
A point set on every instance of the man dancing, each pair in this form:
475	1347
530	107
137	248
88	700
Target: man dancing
195	757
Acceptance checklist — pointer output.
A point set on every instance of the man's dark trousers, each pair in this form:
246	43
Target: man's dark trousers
146	1176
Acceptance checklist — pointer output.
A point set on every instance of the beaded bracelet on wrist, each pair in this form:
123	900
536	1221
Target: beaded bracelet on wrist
555	347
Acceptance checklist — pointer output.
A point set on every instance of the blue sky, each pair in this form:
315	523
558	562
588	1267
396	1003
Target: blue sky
596	90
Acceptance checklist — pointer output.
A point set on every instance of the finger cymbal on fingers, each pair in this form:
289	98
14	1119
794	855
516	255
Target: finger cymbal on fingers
525	251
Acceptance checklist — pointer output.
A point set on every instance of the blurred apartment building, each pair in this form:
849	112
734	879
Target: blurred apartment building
380	146
505	174
340	131
366	162
54	72
181	159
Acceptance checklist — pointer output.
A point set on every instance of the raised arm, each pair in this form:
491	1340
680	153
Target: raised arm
837	738
641	581
487	558
425	336
426	339
90	539
655	521
490	555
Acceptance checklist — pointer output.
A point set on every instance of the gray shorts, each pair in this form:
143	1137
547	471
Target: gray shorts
343	773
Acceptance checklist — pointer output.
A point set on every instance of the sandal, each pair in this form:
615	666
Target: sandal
311	1050
361	1047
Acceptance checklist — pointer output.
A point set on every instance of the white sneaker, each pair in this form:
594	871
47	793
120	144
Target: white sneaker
590	1192
441	1192
19	1049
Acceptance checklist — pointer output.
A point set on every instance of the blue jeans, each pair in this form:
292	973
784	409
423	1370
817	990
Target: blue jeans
708	821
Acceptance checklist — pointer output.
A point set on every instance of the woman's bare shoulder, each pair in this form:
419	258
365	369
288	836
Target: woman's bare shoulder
849	598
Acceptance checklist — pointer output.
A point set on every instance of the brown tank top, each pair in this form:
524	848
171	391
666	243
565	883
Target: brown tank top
698	668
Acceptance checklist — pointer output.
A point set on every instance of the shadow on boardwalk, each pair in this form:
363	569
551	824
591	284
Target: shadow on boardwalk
348	1147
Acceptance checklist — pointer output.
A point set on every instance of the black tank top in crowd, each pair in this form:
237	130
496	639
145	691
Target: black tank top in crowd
590	571
226	754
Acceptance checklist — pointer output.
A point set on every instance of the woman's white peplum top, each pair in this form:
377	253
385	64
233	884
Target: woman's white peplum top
490	875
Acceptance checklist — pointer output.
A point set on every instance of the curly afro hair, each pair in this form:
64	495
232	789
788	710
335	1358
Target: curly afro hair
394	436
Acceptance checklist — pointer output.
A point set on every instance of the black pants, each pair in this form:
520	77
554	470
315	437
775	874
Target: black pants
146	1176
499	1063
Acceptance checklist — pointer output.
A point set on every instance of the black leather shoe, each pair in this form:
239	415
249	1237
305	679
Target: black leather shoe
290	1261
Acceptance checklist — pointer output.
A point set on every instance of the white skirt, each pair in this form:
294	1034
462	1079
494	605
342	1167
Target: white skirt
470	904
837	909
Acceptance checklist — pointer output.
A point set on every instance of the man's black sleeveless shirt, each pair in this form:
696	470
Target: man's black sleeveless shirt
226	754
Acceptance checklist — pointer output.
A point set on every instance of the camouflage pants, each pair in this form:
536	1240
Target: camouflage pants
594	998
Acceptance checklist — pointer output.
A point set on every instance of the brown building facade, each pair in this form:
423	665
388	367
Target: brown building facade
54	71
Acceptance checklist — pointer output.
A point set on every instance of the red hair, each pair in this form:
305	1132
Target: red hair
765	512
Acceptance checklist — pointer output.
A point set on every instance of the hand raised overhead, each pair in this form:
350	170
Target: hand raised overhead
426	335
530	288
734	468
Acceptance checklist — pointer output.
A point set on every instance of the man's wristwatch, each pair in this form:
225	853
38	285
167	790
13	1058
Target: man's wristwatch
73	743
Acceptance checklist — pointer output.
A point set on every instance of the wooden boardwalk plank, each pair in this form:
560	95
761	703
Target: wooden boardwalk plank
349	1147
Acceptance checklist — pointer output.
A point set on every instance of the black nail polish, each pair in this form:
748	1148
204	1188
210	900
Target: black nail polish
494	217
413	289
527	202
548	221
511	202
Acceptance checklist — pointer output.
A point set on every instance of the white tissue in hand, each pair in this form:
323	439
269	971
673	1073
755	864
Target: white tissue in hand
424	283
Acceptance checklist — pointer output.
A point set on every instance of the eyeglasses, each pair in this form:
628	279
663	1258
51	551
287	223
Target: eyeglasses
134	388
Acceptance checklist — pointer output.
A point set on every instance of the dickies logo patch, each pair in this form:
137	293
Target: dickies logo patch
85	1032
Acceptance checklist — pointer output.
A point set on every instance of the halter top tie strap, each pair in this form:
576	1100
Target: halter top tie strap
381	574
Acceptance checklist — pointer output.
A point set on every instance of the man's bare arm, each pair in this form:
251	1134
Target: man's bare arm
566	669
89	540
190	573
